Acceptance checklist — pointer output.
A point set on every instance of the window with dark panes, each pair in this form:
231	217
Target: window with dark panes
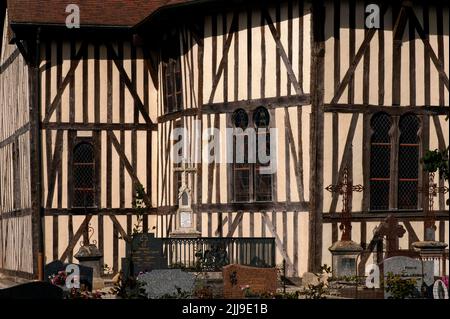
178	176
241	169
394	136
84	175
380	159
408	162
263	182
172	77
250	182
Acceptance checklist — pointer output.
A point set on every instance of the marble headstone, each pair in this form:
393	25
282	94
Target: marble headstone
410	268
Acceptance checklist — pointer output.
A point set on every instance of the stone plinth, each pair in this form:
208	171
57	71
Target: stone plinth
345	255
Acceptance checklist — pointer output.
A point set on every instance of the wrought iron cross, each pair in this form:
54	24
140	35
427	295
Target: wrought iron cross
432	191
346	189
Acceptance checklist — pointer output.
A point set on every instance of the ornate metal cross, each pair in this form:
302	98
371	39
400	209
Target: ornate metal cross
431	191
346	189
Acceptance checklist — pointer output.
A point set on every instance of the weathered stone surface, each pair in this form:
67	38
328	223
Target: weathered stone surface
410	268
159	283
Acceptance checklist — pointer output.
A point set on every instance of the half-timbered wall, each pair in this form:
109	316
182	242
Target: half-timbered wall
246	58
15	191
99	92
402	67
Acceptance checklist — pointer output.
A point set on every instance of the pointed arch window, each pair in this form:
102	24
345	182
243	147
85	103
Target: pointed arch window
408	162
394	162
250	180
380	159
84	175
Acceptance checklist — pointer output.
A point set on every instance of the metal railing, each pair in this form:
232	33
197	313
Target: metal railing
212	254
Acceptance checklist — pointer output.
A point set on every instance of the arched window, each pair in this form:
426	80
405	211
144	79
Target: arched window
83	175
250	182
394	184
408	162
242	170
263	182
380	159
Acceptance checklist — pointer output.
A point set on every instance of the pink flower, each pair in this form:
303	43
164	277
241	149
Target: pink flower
245	287
445	281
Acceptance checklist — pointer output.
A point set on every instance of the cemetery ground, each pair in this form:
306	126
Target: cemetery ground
145	275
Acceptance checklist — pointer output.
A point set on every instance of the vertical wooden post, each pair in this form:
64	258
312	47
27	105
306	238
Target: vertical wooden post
317	140
35	158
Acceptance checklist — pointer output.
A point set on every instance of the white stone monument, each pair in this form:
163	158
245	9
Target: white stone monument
185	225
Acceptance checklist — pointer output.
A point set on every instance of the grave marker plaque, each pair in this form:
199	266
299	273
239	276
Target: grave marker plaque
411	269
145	254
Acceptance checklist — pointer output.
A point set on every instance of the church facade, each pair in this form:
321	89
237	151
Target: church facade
90	115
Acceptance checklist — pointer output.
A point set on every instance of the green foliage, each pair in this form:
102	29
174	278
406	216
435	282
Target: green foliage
315	291
140	207
287	295
129	288
211	259
178	295
249	293
178	266
400	287
203	292
321	289
437	161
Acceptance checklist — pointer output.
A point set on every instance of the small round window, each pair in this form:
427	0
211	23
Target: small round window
261	117
240	119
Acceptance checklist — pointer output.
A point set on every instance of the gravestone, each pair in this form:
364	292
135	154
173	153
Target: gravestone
313	279
410	269
144	254
53	268
258	280
310	278
33	290
159	283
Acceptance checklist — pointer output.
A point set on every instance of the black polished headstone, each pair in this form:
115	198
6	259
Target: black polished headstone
144	254
33	290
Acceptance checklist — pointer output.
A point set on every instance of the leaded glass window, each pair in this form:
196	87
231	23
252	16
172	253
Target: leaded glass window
380	162
394	185
171	74
83	175
250	184
408	162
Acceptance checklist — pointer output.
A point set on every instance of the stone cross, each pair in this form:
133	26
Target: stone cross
185	170
431	191
346	189
390	229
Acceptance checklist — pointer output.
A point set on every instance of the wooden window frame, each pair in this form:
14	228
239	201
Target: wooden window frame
394	156
252	166
173	101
